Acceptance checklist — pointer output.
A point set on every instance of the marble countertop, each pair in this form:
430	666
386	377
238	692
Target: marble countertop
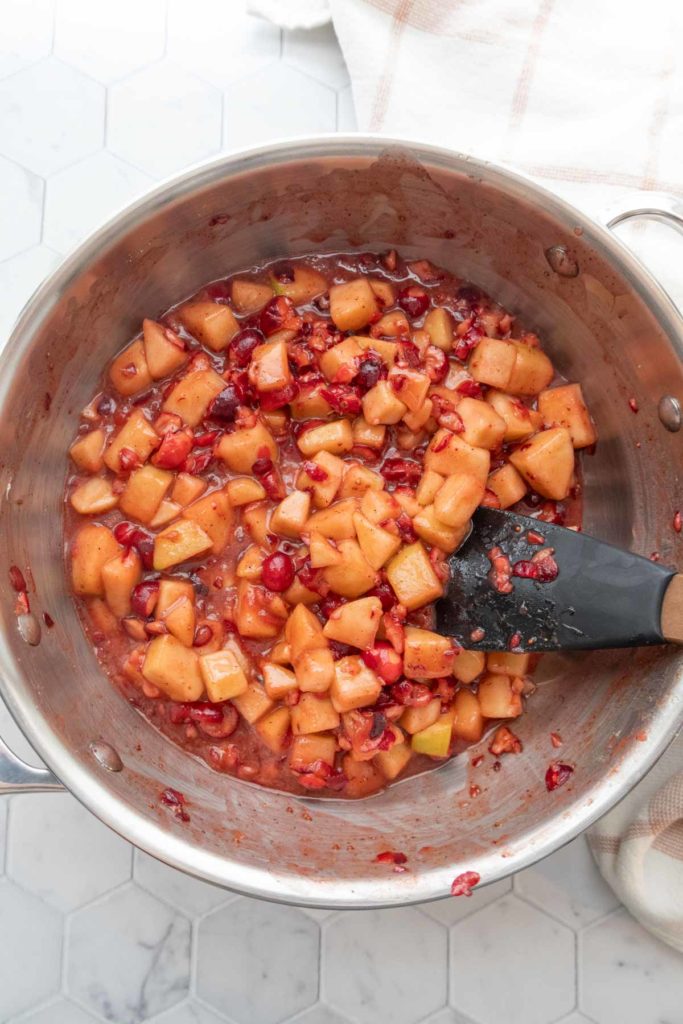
97	102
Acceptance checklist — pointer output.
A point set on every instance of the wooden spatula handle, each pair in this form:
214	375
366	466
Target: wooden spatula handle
672	611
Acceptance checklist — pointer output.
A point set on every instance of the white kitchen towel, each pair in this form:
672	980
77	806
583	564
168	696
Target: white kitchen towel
587	97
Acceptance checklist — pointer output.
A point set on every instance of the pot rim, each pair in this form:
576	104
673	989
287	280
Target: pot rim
566	821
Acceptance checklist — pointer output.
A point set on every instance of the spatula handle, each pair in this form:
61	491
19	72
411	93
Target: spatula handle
672	611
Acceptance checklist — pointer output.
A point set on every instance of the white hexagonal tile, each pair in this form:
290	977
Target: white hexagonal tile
163	118
279	101
372	960
31	950
128	956
184	892
316	52
628	977
508	937
26	33
51	116
188	1012
82	197
62	852
258	962
320	1014
21	207
575	1018
107	41
568	885
447	1016
454	908
60	1011
218	48
346	111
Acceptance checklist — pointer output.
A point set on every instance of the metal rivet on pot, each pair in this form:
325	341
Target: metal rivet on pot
669	410
105	755
29	628
562	261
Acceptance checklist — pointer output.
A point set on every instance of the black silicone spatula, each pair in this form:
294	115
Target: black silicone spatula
601	595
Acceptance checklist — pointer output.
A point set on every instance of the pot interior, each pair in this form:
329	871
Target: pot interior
614	710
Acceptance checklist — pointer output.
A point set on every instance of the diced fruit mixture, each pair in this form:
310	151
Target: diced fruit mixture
263	498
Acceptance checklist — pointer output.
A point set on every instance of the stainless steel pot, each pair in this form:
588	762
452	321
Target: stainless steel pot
607	324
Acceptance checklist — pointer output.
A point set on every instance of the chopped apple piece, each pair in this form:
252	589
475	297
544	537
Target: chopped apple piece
379	506
191	397
312	714
164	350
212	323
457	499
174	668
508	663
410	386
448	454
305	285
484	428
144	492
335	522
565	407
416	421
137	435
532	371
429	484
353	304
258	615
119	576
381	404
355	623
250	296
371	435
129	373
322	479
303	632
269	368
165	514
355	685
244	490
308	749
498	698
546	462
492	362
335	437
93	546
520	421
315	670
187	488
213	513
178	543
340	363
386	350
467	665
468	723
362	777
322	551
281	653
507	485
377	544
88	450
439	326
430	529
391	762
416	719
412	577
290	517
310	403
250	564
102	617
435	740
241	449
255	518
273	729
427	655
175	608
223	676
94	496
353	575
253	702
278	681
359	479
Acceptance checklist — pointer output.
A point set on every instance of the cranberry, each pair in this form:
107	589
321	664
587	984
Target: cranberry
469	388
243	344
218	291
385	593
284	273
106	405
411	695
270	400
339	650
277	571
16	578
401	471
343	398
207	439
557	774
383	659
133	537
406	529
413	300
391	857
314	472
176	801
370	371
330	603
262	465
278	314
128	460
144	598
408	354
464	883
543	570
197	462
173	450
202	635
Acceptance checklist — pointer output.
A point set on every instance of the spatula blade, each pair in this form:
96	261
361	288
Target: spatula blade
602	596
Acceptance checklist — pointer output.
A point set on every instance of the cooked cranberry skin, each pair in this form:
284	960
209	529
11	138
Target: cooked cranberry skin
277	572
144	598
242	346
414	301
133	537
343	398
401	471
275	314
370	371
330	603
173	450
385	593
384	661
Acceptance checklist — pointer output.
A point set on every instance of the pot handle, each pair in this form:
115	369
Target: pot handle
661	206
18	777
